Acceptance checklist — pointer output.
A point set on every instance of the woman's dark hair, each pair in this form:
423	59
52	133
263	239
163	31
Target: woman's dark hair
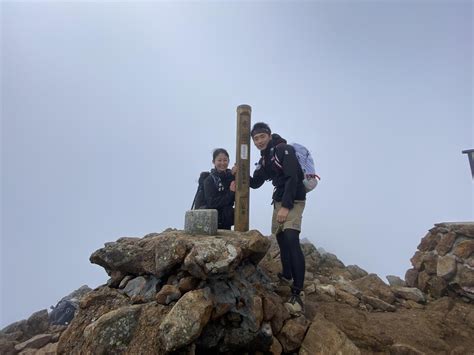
218	151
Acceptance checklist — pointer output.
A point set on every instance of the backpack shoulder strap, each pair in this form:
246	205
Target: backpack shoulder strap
278	162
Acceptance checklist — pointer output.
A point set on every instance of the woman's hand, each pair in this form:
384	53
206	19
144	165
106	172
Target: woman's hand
232	186
234	170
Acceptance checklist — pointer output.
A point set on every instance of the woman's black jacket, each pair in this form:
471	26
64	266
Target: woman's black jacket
218	196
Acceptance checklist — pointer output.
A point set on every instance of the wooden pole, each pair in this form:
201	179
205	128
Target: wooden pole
241	222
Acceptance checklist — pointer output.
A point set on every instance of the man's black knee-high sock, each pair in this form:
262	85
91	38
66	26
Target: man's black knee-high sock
284	255
296	257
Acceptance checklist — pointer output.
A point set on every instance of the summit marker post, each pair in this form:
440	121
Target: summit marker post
241	217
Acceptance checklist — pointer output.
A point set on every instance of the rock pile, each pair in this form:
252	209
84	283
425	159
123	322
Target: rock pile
444	261
175	293
38	334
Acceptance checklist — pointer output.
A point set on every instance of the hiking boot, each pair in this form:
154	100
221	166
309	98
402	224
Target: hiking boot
283	280
295	305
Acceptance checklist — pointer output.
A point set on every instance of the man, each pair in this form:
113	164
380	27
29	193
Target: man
279	164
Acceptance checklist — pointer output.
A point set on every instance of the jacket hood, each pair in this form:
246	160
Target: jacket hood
276	139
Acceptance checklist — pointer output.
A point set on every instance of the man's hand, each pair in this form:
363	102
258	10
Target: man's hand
232	186
282	214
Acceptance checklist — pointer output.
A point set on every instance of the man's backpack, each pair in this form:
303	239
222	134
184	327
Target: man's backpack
199	201
306	161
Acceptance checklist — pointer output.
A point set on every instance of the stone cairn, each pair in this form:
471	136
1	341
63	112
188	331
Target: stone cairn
190	292
444	262
175	291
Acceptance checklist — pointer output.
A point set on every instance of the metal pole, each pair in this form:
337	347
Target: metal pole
241	220
470	156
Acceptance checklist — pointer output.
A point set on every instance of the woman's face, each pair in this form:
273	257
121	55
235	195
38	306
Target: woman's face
221	162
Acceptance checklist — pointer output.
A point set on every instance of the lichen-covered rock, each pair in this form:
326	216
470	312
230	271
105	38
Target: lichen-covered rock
92	307
184	323
201	256
113	331
212	257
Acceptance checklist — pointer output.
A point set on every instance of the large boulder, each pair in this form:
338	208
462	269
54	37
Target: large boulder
373	286
184	323
203	256
324	337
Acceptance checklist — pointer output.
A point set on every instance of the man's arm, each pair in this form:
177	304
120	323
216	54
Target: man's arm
259	176
287	156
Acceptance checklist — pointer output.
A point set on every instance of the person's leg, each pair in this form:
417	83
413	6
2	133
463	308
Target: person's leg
291	231
296	258
277	231
292	228
284	256
295	304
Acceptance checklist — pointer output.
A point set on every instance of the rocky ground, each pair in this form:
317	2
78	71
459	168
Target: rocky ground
181	294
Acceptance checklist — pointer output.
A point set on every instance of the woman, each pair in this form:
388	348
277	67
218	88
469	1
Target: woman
219	189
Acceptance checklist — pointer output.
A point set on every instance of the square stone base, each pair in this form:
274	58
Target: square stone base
201	222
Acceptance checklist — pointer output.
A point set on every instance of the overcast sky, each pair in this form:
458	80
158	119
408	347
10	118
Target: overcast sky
110	111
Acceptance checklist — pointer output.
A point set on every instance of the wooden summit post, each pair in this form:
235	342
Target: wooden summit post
241	222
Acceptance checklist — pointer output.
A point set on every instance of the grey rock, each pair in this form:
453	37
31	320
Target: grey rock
324	337
327	289
465	276
37	323
76	295
292	334
395	281
186	320
124	282
142	286
409	293
378	303
160	255
38	341
372	285
345	297
212	257
446	267
411	278
349	288
113	331
356	271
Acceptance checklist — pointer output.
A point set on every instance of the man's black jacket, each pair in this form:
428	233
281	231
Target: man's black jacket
279	164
